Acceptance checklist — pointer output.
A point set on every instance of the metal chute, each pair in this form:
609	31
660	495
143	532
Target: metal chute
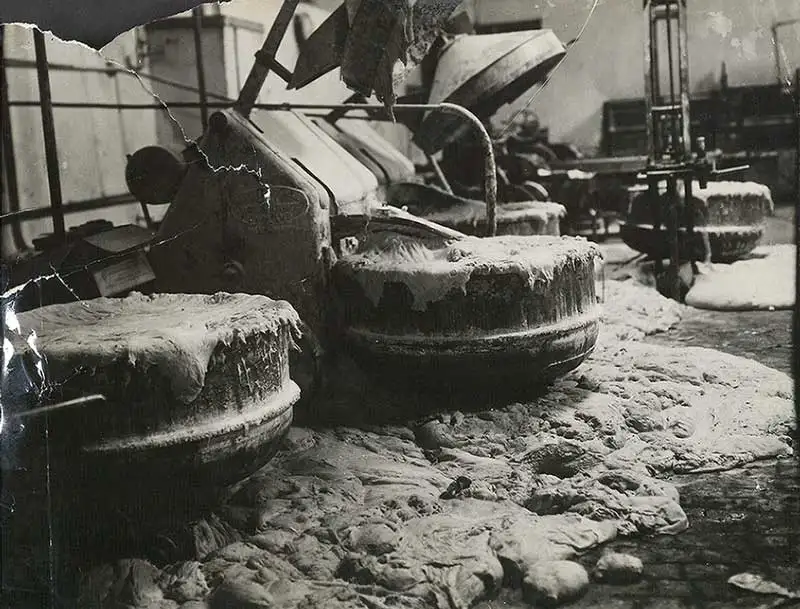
375	42
482	73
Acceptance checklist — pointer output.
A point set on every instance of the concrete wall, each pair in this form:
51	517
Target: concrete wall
92	143
607	63
171	42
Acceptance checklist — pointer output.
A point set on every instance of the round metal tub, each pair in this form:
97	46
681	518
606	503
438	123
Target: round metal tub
164	390
469	215
728	217
503	313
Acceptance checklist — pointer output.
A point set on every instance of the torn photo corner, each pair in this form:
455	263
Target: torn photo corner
92	22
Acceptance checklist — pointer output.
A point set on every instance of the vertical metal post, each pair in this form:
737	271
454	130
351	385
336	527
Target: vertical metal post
197	22
674	128
683	67
49	130
8	165
777	51
650	89
673	221
796	333
654	199
4	124
797	140
260	70
688	202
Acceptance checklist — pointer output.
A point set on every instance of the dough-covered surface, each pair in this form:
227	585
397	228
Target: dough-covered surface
718	204
431	270
352	515
764	281
173	333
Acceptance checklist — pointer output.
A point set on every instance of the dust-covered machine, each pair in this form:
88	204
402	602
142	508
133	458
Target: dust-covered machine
272	202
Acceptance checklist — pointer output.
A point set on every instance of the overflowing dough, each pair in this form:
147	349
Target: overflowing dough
765	280
431	270
173	333
357	516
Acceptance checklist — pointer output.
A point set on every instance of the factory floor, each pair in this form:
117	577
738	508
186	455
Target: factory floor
743	520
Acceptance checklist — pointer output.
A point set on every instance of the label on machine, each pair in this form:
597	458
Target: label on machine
132	271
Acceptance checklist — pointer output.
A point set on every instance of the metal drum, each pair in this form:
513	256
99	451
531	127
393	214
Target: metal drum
482	73
502	313
728	222
155	390
469	216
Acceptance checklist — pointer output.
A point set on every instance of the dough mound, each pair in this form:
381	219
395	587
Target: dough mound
765	280
616	568
431	270
353	516
553	583
173	333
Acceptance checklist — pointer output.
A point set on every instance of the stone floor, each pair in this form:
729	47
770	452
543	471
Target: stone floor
744	520
741	520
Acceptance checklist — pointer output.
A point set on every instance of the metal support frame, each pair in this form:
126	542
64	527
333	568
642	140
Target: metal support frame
8	167
669	146
265	59
49	130
197	24
796	317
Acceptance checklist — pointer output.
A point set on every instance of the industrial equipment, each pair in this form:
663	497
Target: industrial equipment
271	203
671	157
479	72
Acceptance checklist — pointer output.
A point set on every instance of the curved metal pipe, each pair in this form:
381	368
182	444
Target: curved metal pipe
490	167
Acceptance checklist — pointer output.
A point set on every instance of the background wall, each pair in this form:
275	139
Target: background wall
607	63
92	143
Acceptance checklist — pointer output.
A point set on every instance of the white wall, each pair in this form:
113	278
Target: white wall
91	143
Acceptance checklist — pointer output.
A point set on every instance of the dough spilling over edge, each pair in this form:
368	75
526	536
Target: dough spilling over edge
473	213
432	270
728	189
353	516
175	333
